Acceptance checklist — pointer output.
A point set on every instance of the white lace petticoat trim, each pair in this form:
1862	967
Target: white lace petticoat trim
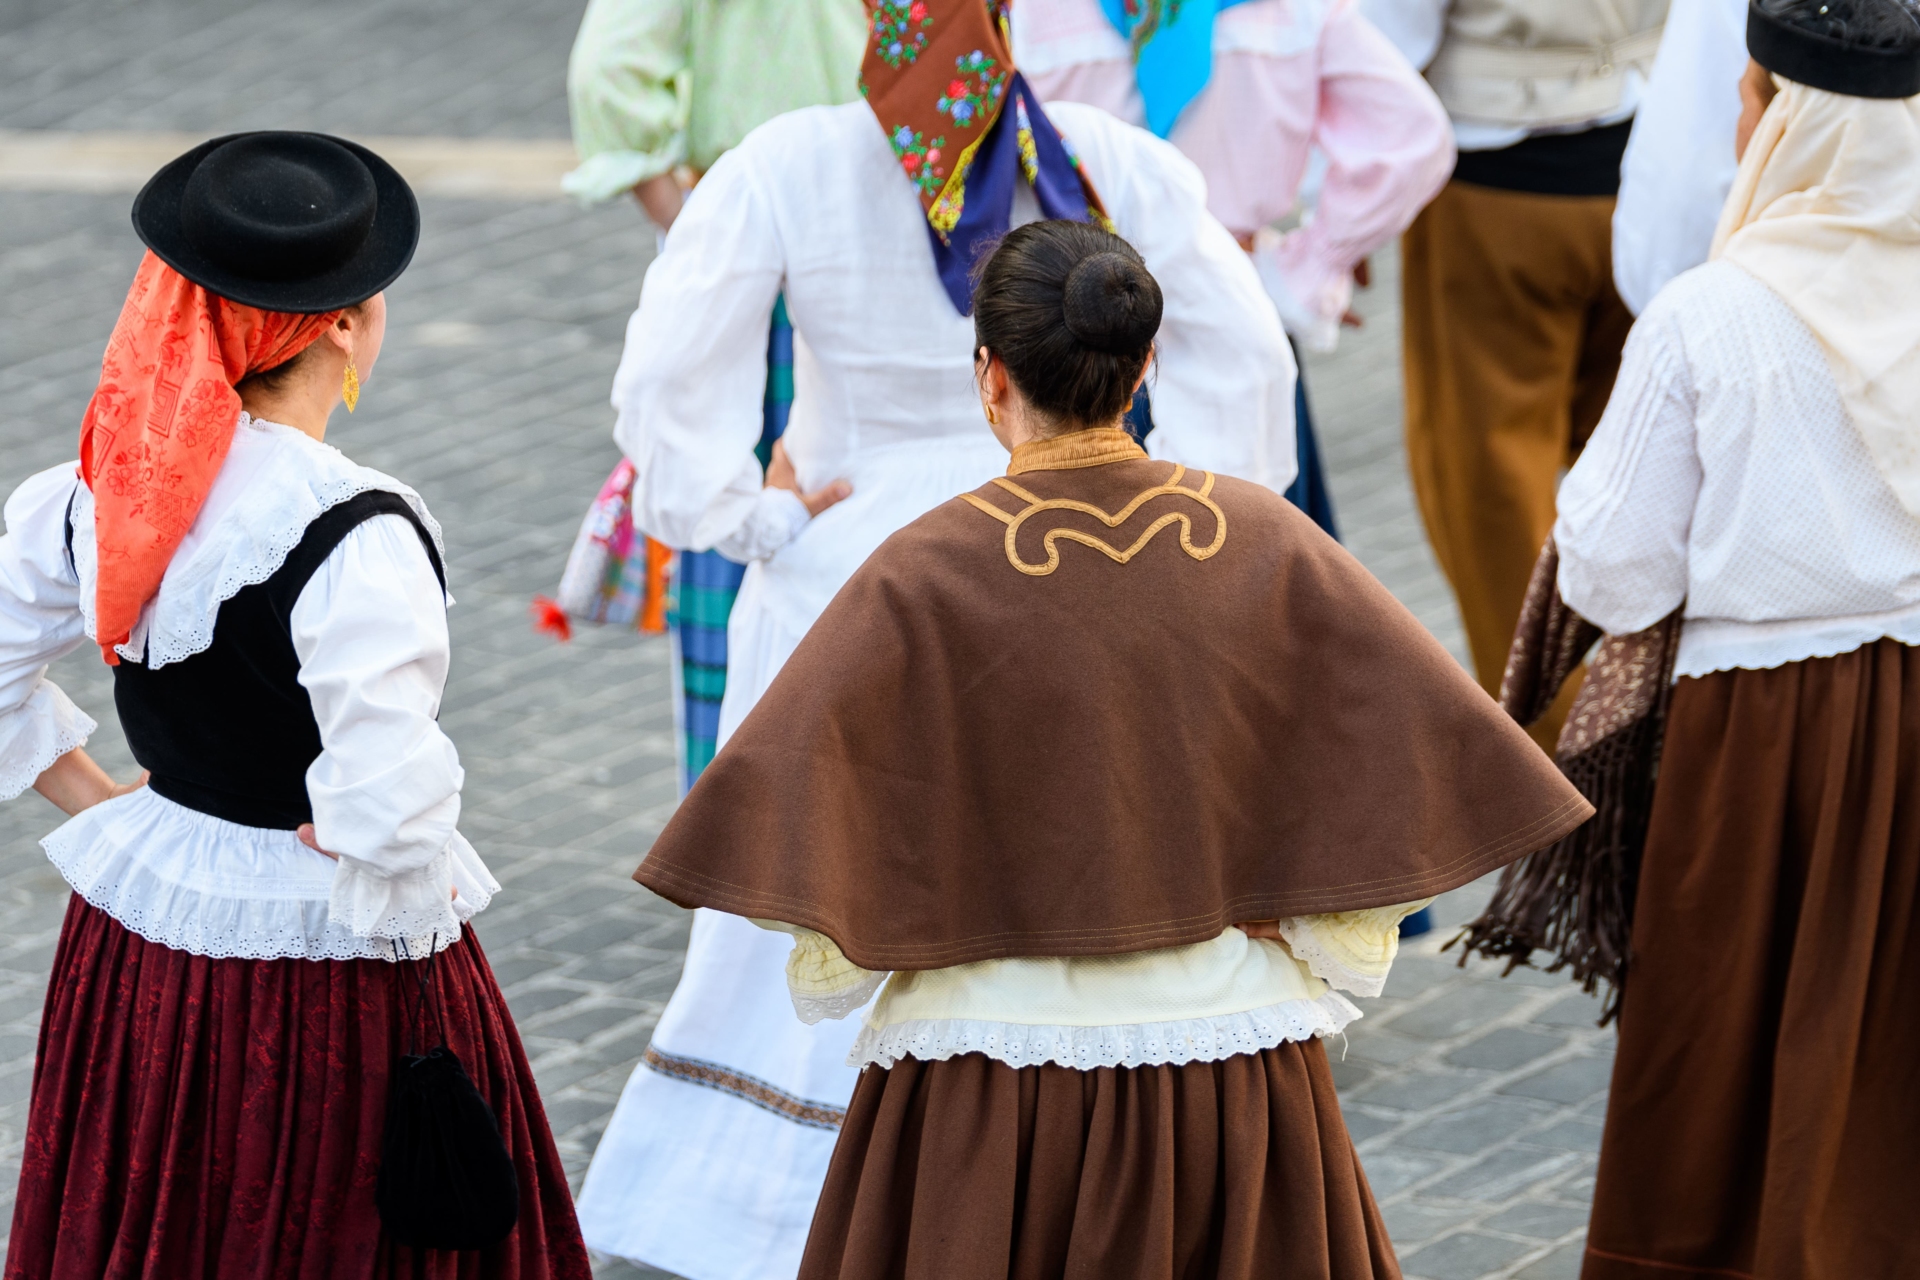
1325	963
36	733
209	887
298	481
1084	1048
814	1008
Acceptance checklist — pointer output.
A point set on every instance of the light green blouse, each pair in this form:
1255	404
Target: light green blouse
653	84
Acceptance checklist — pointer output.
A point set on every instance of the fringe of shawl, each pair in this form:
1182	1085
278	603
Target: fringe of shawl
1575	898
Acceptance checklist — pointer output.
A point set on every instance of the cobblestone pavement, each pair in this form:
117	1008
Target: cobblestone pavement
1476	1101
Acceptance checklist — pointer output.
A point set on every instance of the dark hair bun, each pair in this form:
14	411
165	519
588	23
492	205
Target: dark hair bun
1111	304
1072	310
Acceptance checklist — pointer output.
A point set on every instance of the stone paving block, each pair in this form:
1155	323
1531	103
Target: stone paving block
1391	1170
1411	1222
1411	1091
1473	1127
1459	1010
1562	1264
1506	1173
1464	1256
578	1026
1505	1049
1542	1221
1575	1133
1571	1081
1574	1009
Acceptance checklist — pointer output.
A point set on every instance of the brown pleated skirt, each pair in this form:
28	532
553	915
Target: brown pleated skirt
969	1169
1765	1114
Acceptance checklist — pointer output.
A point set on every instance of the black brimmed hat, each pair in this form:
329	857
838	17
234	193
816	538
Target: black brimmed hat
1822	61
299	222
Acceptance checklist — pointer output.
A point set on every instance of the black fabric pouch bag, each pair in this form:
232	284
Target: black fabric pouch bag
446	1180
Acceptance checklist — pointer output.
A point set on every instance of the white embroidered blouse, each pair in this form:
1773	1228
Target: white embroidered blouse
1199	1003
370	631
1726	473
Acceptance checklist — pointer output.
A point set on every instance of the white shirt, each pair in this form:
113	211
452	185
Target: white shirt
1416	28
814	204
1726	473
1199	1003
370	631
1679	163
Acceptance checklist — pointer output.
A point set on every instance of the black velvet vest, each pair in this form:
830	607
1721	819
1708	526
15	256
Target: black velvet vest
230	731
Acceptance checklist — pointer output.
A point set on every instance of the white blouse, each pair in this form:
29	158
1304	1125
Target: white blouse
370	631
813	205
1199	1003
1726	473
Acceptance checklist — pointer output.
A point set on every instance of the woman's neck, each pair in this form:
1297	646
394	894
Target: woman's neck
302	407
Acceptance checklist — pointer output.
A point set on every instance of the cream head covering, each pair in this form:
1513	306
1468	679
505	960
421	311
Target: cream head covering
1825	210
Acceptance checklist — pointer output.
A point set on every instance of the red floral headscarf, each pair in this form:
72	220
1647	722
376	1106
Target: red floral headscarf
159	425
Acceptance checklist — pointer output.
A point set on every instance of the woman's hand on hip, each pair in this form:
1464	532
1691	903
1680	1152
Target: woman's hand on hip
781	475
304	834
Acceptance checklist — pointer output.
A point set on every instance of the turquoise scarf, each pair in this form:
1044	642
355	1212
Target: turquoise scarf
1172	51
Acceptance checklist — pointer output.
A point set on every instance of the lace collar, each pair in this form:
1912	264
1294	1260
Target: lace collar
275	482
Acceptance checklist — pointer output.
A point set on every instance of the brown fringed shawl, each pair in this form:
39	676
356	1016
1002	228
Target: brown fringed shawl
1104	705
1575	897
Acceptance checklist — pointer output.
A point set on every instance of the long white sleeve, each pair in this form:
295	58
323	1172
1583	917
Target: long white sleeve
39	622
370	629
1679	163
691	385
1626	508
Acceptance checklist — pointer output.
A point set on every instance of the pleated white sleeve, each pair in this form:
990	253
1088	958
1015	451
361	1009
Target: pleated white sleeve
1627	506
39	622
691	385
370	629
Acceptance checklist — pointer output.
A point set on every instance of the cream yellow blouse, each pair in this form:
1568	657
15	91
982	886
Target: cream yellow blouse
1231	994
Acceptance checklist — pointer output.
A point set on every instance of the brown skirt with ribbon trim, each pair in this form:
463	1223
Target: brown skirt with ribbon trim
967	1168
1765	1114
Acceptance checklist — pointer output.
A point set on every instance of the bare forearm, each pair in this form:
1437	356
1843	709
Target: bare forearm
661	197
74	782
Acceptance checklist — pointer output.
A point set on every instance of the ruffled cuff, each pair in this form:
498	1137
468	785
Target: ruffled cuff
1309	293
775	519
608	174
36	733
1351	950
416	904
822	981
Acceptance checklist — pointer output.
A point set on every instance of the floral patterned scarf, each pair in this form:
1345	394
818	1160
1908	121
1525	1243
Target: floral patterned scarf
940	78
159	425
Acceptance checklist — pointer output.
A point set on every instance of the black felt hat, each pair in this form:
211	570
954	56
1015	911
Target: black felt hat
300	222
1828	62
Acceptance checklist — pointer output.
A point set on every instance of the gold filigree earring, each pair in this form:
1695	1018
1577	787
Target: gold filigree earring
350	386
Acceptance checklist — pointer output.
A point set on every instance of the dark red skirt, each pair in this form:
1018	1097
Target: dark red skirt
967	1168
197	1118
1764	1122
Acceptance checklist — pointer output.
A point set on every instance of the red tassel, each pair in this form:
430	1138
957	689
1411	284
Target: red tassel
552	619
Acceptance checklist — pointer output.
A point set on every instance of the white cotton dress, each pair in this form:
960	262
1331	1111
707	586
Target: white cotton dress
716	1154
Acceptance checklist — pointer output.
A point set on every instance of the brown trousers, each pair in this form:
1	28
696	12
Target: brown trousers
1512	338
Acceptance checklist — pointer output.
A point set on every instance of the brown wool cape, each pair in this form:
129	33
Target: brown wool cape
1104	705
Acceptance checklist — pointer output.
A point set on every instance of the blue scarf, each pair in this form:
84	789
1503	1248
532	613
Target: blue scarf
1023	144
1172	51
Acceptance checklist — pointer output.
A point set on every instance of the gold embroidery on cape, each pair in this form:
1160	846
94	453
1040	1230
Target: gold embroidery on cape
1051	539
